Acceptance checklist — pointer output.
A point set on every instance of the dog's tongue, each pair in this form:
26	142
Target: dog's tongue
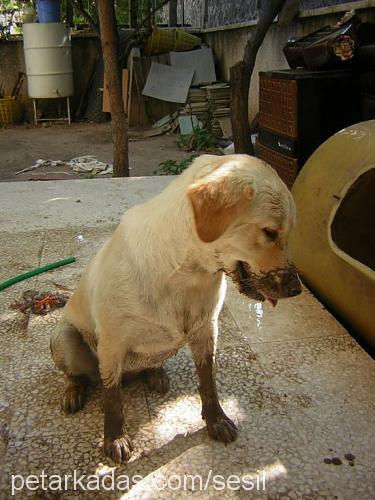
272	301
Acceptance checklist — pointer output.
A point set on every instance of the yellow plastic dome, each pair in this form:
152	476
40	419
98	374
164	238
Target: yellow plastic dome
333	244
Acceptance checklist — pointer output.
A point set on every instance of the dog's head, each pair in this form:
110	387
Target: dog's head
245	213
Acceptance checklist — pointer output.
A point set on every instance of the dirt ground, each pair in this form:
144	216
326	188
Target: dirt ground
21	146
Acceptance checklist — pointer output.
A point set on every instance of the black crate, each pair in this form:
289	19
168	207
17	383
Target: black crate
304	108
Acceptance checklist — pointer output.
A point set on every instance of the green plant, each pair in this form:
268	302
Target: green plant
200	140
203	137
173	167
8	11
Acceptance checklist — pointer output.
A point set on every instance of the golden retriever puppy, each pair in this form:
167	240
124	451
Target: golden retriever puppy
159	284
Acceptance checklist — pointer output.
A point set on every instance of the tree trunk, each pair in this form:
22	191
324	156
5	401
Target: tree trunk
133	9
239	87
240	77
109	41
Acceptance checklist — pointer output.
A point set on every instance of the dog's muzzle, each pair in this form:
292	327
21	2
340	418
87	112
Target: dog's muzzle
278	283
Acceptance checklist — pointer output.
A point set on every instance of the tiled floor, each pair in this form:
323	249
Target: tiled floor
299	387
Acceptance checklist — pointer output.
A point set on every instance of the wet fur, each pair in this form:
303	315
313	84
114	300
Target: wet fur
158	284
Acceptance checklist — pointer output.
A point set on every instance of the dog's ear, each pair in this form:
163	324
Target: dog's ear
216	203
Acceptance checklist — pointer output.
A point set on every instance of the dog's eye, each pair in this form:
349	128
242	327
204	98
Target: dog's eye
271	234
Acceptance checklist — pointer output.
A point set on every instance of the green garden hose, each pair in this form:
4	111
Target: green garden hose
34	272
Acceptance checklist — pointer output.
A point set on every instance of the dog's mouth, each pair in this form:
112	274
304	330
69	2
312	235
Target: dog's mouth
246	284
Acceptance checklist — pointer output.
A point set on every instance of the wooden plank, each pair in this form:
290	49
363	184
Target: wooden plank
125	87
135	52
137	113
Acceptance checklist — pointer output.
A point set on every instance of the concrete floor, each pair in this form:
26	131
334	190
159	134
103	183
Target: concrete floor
299	387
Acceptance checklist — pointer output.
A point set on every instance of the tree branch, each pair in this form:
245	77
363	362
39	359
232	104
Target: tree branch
267	14
151	13
240	76
79	8
129	41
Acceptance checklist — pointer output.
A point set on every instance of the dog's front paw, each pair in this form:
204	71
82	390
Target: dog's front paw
222	429
119	450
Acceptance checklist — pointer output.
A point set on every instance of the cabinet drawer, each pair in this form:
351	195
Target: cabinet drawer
287	168
278	106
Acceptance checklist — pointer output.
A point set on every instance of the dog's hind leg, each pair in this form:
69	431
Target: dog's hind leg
157	379
75	393
76	359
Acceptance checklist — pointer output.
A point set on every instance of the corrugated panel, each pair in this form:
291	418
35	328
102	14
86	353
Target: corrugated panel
225	12
230	12
192	13
162	15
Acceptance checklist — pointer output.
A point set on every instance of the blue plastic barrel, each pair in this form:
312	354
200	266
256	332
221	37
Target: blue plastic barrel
49	11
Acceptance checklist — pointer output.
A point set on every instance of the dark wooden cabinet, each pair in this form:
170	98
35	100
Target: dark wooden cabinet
299	110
